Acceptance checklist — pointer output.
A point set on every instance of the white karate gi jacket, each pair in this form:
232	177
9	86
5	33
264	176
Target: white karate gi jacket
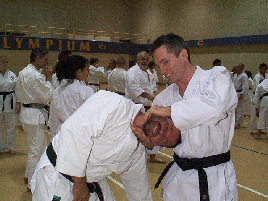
7	84
32	87
94	74
117	80
67	98
241	83
97	140
206	117
154	78
258	78
138	81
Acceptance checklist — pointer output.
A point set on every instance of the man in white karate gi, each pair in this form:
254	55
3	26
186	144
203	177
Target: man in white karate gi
201	104
94	73
34	93
240	80
258	78
96	141
260	102
140	89
117	77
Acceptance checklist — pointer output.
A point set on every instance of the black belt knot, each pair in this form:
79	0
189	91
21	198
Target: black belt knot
92	187
199	164
239	90
4	94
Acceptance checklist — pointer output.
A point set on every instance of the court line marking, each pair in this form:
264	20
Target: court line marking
249	150
249	189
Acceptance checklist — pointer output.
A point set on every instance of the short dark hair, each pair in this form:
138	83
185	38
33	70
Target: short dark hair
151	63
263	65
93	60
174	44
216	61
67	67
249	74
39	51
64	54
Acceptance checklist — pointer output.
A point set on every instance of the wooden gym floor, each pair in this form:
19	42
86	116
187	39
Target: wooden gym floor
249	156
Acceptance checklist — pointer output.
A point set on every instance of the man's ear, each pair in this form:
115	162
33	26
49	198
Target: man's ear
184	54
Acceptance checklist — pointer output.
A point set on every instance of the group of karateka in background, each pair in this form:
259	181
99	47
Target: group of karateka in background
95	133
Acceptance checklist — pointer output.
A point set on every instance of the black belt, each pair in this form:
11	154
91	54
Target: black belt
239	90
265	94
199	164
4	94
93	187
97	85
36	105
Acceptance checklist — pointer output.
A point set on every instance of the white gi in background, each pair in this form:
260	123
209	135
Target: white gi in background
67	98
7	115
241	87
117	80
249	98
261	101
93	77
258	78
32	87
94	142
154	78
207	124
138	81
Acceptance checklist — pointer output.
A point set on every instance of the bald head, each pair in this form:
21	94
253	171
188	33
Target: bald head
143	60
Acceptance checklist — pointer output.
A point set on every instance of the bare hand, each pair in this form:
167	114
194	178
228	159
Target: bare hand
48	72
158	111
142	137
80	189
18	108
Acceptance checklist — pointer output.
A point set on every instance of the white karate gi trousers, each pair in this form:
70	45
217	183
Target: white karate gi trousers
37	143
7	118
239	112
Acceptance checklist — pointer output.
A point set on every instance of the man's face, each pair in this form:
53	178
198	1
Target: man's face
171	67
96	64
263	70
239	68
162	131
112	65
143	61
41	62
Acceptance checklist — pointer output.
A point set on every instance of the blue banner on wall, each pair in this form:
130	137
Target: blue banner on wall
54	44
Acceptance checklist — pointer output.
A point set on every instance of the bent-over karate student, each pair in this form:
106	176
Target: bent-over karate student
8	105
72	92
260	102
93	143
201	104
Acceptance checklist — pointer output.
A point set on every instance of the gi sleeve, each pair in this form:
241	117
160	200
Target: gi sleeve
210	107
133	84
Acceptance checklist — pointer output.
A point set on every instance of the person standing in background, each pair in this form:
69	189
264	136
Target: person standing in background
250	95
9	106
217	62
261	104
35	93
94	73
258	78
72	72
241	87
117	77
139	88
